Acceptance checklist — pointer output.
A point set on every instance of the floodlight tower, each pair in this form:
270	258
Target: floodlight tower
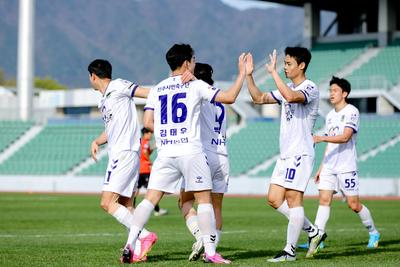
25	58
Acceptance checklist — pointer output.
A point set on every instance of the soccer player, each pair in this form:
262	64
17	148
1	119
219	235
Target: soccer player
173	111
122	133
145	168
338	170
299	100
213	138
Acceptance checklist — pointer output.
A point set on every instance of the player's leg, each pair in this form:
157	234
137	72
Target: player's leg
197	175
366	219
276	196
349	183
119	185
140	217
217	205
164	178
296	220
219	167
327	186
186	203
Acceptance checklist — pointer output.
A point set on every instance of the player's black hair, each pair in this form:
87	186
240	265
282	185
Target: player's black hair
101	67
146	130
342	83
178	54
204	72
300	54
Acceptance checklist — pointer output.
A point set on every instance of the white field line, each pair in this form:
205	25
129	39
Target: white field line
359	229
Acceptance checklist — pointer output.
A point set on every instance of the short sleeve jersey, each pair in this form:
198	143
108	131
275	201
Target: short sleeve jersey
177	115
119	116
297	121
342	158
213	127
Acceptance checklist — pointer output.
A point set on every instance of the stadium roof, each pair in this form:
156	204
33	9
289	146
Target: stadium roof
332	5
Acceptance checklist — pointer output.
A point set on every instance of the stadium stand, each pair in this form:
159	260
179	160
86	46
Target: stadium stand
328	59
252	145
55	150
384	67
97	169
383	165
10	131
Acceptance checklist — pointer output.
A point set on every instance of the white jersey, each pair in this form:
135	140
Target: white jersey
177	115
213	127
342	158
297	121
119	115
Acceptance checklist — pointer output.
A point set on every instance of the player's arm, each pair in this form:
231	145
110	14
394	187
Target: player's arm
257	96
287	93
100	140
142	92
229	96
338	139
148	119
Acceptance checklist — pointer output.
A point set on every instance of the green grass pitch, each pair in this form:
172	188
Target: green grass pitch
72	230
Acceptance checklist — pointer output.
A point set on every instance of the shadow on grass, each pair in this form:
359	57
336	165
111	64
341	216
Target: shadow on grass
229	252
355	250
382	243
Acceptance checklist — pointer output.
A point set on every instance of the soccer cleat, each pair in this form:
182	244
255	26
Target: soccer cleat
197	250
146	244
217	258
306	245
283	256
128	256
160	212
373	240
314	243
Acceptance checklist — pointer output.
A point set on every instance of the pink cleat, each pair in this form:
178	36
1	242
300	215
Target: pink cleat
128	256
146	244
217	258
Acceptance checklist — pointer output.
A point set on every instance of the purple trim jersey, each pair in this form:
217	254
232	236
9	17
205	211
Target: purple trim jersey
341	158
119	115
297	121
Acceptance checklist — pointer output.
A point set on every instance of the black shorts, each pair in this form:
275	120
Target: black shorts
143	180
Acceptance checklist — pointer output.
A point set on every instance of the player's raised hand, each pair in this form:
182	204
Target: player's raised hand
187	76
249	64
271	66
94	149
242	63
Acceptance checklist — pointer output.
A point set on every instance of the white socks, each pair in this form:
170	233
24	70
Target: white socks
219	232
124	216
206	221
322	217
193	226
367	220
308	227
296	222
140	217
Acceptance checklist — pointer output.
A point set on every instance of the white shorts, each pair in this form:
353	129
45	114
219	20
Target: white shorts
293	173
347	182
219	167
122	173
167	172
